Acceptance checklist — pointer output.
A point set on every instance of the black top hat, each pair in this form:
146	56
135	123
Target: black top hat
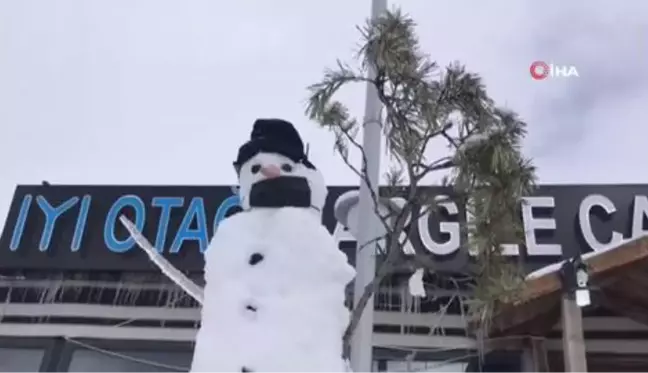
273	136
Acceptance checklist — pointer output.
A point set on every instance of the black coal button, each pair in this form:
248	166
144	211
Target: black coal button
255	258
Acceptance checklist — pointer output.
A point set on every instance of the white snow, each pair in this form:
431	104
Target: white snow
297	290
416	286
551	268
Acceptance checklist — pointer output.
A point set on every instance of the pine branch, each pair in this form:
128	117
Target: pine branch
485	165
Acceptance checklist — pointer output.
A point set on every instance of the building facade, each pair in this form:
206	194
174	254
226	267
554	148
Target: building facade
78	295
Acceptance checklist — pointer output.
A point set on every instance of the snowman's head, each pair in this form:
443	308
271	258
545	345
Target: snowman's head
274	171
274	180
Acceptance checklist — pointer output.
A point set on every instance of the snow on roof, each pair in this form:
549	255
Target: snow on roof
555	267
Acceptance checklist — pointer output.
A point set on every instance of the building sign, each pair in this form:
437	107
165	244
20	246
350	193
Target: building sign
77	227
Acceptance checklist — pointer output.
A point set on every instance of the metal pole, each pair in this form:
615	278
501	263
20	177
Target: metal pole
361	343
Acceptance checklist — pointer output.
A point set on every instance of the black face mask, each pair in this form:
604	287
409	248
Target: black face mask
283	191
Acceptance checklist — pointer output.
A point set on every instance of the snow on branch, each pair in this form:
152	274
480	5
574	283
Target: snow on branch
427	107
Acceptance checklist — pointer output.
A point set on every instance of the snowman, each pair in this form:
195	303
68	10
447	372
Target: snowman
275	278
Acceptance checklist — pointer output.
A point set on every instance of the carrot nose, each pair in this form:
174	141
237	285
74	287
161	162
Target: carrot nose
270	171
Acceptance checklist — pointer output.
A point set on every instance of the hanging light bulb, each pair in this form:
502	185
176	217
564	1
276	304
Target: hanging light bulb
582	289
575	279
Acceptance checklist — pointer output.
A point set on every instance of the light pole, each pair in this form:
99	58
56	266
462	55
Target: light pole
368	224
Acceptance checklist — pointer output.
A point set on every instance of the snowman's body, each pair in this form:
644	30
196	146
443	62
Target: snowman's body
275	277
286	311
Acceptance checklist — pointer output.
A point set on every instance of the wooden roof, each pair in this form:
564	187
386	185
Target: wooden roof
618	279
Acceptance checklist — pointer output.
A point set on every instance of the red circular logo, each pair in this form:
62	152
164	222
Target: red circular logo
539	70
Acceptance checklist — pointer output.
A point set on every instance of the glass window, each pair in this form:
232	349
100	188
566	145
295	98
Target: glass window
425	366
20	359
129	361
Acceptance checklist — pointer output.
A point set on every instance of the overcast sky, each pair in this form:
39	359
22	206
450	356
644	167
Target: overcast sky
164	92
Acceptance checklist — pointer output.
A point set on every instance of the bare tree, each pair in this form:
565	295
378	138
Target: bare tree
424	104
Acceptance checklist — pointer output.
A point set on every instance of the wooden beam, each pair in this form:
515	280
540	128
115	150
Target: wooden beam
624	306
534	356
619	256
630	291
637	277
600	263
610	260
573	338
535	318
541	324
